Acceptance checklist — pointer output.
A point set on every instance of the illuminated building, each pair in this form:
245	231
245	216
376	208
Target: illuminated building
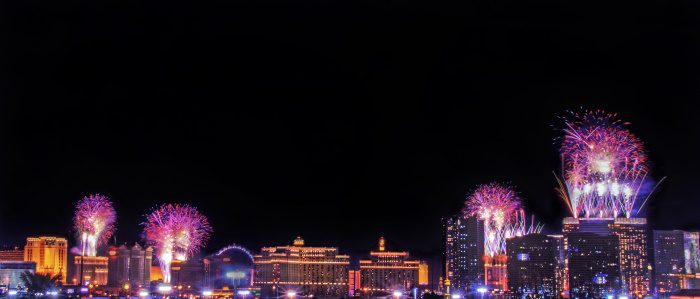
92	268
633	249
496	272
12	255
232	267
129	265
318	271
423	275
354	282
533	261
193	272
10	272
49	253
387	271
463	249
675	259
594	264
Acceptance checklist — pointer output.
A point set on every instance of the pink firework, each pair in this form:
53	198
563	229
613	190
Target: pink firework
177	232
604	165
496	205
94	222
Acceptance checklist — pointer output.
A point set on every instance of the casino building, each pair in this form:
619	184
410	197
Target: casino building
463	251
387	271
317	271
533	265
50	255
612	252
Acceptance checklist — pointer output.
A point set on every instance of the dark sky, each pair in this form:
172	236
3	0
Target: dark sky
337	120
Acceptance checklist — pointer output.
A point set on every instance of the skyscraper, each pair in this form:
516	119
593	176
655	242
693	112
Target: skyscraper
318	271
532	264
463	242
675	259
669	260
387	271
632	246
49	253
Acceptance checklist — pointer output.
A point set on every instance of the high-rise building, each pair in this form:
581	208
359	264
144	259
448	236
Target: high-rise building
633	246
49	253
129	265
318	271
354	282
675	259
387	271
14	254
669	260
594	264
533	262
463	250
93	270
10	272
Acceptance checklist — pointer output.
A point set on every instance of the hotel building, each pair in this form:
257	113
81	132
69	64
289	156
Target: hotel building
463	251
317	271
93	270
50	255
130	265
632	249
12	255
533	264
387	271
676	260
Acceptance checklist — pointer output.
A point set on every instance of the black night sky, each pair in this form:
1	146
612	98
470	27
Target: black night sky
336	120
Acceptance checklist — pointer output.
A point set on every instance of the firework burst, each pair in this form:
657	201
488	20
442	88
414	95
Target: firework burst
177	232
496	205
94	222
604	166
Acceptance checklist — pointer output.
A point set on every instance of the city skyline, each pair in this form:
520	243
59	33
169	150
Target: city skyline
530	205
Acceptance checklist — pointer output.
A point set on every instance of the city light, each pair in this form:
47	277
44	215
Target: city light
164	288
624	297
482	290
207	293
291	294
143	293
12	292
84	290
243	292
397	294
456	296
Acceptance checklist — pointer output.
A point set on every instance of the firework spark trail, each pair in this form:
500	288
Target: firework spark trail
604	166
94	221
177	232
496	205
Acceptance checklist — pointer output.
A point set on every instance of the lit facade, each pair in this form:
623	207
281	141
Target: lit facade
633	245
50	255
463	250
130	265
12	255
353	282
675	259
318	271
533	264
10	272
92	268
387	271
